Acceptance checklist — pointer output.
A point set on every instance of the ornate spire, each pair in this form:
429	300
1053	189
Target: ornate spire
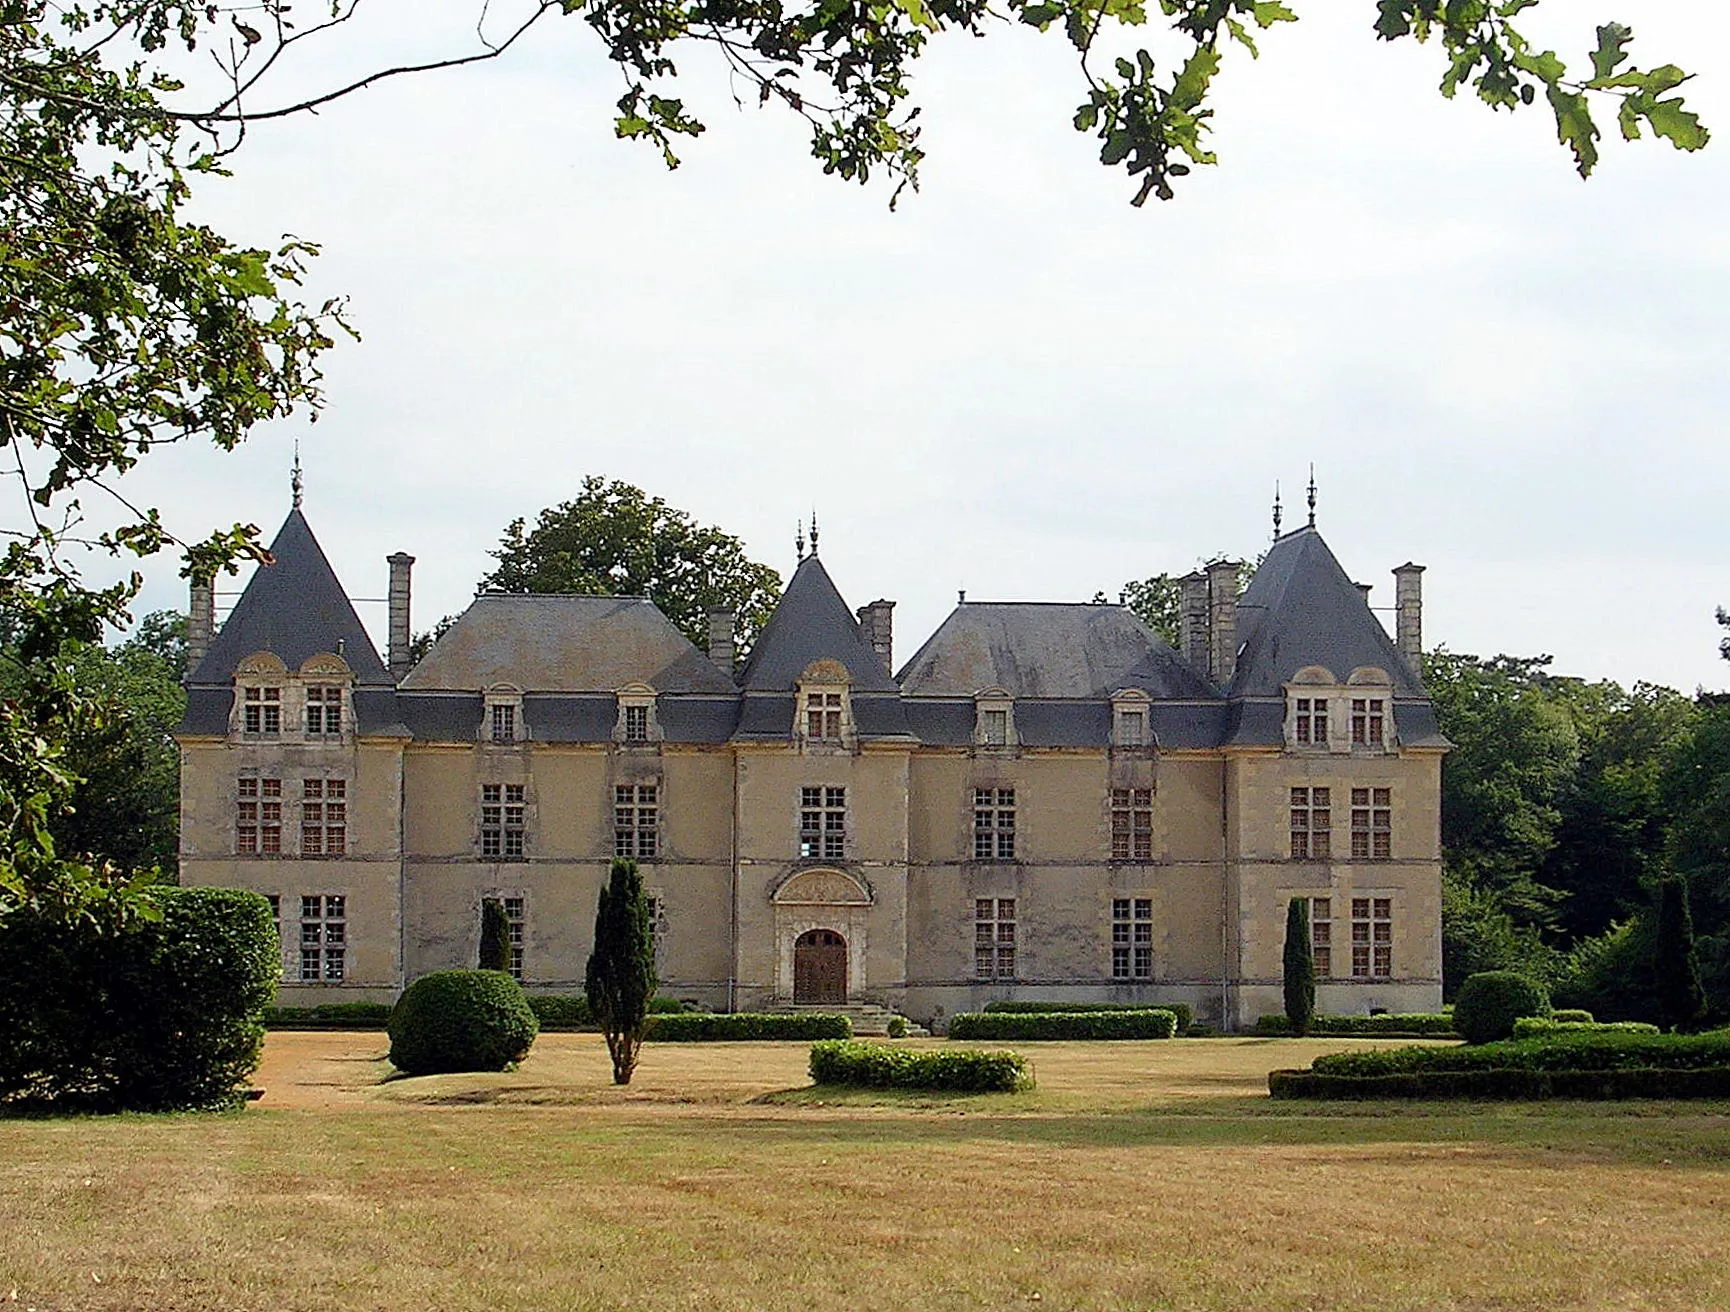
1277	512
799	540
813	531
294	483
1312	494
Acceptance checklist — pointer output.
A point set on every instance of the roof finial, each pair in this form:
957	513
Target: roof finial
799	540
1312	494
1277	512
813	530
294	483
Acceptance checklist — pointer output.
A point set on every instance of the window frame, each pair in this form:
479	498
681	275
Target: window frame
1372	936
1131	824
823	822
1310	840
995	938
1132	938
994	822
328	950
502	829
1372	821
637	820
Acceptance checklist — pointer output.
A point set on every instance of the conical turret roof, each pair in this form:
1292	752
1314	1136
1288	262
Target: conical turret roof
811	623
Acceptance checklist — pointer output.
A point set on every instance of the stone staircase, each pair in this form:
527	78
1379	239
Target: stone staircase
868	1019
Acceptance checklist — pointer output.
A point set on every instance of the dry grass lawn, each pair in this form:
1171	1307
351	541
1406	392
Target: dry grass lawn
1138	1176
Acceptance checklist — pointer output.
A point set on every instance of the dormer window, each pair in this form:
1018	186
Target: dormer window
823	715
824	704
1367	721
1315	706
1311	725
994	727
1130	722
323	710
503	718
262	711
636	722
993	718
504	722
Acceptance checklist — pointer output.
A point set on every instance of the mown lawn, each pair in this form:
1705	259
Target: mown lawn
1139	1176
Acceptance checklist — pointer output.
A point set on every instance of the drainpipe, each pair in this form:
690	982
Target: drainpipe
733	917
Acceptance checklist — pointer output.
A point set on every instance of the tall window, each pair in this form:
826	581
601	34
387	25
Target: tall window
823	715
1132	938
1311	824
275	900
657	908
823	823
994	824
994	728
504	722
994	938
1372	824
502	808
1322	935
1367	721
323	709
636	819
323	817
1372	937
1132	824
258	816
262	711
1132	728
515	920
1312	721
323	937
636	724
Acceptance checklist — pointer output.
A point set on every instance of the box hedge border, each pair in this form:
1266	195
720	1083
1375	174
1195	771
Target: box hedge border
745	1026
1182	1010
1406	1025
1147	1023
1528	1027
1596	1050
1503	1083
952	1070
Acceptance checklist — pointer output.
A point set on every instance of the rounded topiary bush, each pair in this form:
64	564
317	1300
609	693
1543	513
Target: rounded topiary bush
1491	1001
461	1020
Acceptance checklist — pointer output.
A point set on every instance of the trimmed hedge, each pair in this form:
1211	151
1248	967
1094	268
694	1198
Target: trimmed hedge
329	1016
570	1011
957	1070
1149	1023
722	1027
1406	1025
1573	1014
1491	1001
461	1020
1629	1082
164	1015
1581	1050
1182	1010
1528	1027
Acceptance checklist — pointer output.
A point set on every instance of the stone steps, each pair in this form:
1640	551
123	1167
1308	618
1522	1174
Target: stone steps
867	1018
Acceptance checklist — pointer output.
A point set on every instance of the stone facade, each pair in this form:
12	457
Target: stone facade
1045	802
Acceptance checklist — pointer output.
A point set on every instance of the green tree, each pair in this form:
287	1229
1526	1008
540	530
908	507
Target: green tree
1696	786
1300	966
495	950
620	979
1681	999
615	540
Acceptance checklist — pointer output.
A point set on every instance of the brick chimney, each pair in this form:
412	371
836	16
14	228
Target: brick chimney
877	627
1222	620
200	623
1192	621
1409	610
721	622
400	635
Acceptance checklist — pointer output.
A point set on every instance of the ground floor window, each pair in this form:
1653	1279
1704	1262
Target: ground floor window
1372	937
515	922
1322	935
323	938
994	938
1132	938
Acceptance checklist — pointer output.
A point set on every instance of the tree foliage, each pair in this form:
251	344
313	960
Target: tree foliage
495	948
1299	977
616	540
1681	1000
620	978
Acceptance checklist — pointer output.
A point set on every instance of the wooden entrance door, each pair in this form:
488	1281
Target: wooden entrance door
820	967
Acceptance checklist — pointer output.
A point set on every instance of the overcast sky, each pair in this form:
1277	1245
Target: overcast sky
1017	384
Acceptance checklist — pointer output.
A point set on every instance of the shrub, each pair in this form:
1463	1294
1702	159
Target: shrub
1185	1015
722	1027
561	1011
1528	1027
1399	1025
1575	1015
897	1027
461	1020
1491	1001
164	1015
1633	1082
1150	1023
329	1016
959	1070
1581	1050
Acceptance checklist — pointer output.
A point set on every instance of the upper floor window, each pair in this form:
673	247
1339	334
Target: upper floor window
258	816
823	823
1311	725
503	820
636	724
1131	724
504	722
324	817
1367	721
1132	824
1372	823
262	710
994	824
1132	728
1311	824
323	709
1132	938
993	718
636	820
823	715
994	727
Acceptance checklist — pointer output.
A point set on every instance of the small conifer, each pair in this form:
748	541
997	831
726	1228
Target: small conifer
620	980
495	951
1681	998
1300	966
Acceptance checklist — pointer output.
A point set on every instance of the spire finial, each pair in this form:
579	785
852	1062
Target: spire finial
799	540
294	483
1312	494
1277	511
813	531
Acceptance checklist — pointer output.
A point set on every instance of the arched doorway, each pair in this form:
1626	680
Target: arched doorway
820	967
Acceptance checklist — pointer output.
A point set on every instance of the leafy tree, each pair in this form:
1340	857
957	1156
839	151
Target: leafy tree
495	952
620	979
615	540
1696	786
1681	1000
1300	967
1157	601
1479	934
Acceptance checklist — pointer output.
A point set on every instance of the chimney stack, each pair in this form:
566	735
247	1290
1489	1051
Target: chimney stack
721	639
200	623
877	626
1192	621
400	636
1365	589
1222	620
1409	608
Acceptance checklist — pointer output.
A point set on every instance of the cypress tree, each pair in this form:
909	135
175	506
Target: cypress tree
620	980
495	951
1681	999
1300	966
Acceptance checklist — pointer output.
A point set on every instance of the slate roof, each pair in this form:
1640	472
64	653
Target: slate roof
1048	649
564	644
293	608
1302	609
810	623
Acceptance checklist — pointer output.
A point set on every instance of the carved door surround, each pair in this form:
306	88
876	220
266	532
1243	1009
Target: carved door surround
839	905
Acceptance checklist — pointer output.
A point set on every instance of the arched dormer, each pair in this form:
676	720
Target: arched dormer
326	697
993	718
637	722
1370	701
502	720
1131	719
1312	710
260	697
824	706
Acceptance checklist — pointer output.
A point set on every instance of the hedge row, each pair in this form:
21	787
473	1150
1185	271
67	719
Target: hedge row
714	1027
1630	1082
1150	1023
329	1016
1529	1027
959	1070
1579	1050
1182	1010
1406	1025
